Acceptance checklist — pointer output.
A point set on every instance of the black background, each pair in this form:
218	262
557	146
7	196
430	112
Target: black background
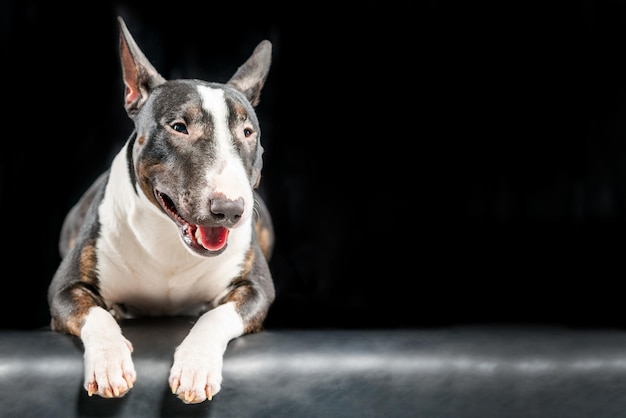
427	163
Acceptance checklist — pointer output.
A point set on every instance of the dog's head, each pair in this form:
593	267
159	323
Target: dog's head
197	154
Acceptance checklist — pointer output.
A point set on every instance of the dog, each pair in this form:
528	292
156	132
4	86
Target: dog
175	226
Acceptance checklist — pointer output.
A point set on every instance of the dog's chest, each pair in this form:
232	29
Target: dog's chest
149	287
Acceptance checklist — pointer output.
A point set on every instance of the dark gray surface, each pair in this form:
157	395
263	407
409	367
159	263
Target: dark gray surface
465	371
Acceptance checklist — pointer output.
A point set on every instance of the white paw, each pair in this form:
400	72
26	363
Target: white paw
109	369
196	374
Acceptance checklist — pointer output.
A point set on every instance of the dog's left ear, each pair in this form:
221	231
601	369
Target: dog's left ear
140	77
250	77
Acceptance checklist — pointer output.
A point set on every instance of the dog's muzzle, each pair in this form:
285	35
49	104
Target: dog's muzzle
204	240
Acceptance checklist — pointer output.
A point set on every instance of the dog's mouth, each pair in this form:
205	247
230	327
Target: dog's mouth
203	240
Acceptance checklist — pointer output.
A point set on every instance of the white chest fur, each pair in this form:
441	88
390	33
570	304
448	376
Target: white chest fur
142	262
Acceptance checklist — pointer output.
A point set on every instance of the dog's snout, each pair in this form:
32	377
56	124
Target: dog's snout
227	210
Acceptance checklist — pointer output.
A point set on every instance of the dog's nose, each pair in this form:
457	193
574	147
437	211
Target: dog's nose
226	210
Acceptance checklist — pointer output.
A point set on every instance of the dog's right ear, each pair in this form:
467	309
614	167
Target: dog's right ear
139	76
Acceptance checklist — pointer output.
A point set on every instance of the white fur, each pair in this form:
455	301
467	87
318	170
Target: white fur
197	370
227	176
108	364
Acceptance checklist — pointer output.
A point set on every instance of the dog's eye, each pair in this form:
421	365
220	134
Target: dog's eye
180	127
247	132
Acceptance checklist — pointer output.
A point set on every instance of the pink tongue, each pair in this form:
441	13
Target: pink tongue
213	238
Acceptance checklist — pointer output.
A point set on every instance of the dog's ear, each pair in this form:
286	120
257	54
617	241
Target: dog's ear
139	76
250	77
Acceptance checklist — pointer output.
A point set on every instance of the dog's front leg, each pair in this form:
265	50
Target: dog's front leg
109	369
196	374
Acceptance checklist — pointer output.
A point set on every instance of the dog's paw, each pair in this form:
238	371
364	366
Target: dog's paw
196	374
109	369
